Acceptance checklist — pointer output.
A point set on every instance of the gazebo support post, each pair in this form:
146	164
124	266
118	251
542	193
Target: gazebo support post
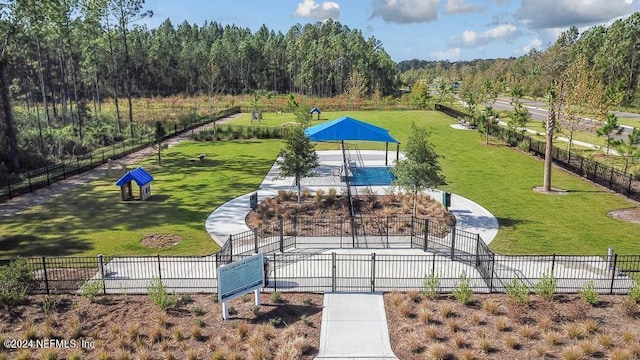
397	152
386	153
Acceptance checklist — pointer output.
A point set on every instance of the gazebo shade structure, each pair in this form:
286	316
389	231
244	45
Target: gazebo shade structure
346	128
142	178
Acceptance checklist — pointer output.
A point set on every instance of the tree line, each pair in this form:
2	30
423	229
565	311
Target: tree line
61	60
612	52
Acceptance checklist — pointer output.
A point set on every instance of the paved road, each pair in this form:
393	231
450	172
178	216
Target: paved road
538	112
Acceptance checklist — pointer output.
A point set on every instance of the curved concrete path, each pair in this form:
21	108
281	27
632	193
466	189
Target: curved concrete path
229	218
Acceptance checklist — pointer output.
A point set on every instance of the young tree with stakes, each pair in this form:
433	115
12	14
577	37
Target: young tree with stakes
298	157
421	168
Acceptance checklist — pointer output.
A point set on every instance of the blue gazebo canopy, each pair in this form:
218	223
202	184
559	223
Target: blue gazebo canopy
138	175
346	128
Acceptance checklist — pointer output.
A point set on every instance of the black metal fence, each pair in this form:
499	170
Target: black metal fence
333	270
39	178
333	254
615	180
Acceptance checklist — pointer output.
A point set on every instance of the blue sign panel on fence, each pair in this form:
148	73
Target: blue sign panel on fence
240	277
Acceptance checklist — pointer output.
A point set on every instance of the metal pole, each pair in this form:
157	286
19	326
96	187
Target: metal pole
373	272
477	249
101	265
281	235
453	242
333	272
613	273
255	239
46	279
425	245
386	154
275	277
159	268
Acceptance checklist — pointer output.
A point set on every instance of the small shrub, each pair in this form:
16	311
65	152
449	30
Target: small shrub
630	306
16	280
512	343
431	286
414	295
453	325
574	331
553	338
634	292
275	321
214	298
196	333
634	350
49	354
460	341
76	329
462	291
197	310
177	334
546	287
307	301
199	322
484	344
243	330
424	315
590	326
545	322
490	307
501	324
276	297
255	310
528	332
628	336
185	298
446	311
572	353
590	294
157	292
156	335
619	354
304	319
432	332
404	309
606	341
437	352
91	289
232	310
588	347
517	292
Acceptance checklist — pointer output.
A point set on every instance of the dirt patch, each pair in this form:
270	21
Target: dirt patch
157	241
493	328
132	327
631	215
554	191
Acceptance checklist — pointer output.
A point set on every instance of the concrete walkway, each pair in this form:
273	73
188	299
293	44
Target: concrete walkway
229	218
354	325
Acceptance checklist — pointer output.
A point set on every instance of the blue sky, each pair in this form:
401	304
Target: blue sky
408	29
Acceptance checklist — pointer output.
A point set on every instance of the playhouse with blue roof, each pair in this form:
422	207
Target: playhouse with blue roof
142	178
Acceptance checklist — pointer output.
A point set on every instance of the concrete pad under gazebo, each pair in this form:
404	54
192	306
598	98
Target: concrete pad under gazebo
142	178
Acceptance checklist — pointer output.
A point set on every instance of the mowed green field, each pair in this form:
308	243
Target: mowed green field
91	219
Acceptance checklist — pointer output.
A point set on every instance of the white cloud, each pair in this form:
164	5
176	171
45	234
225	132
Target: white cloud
533	44
317	11
406	11
546	14
451	54
472	39
459	7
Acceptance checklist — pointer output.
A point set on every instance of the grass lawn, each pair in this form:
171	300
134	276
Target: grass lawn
92	220
500	179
